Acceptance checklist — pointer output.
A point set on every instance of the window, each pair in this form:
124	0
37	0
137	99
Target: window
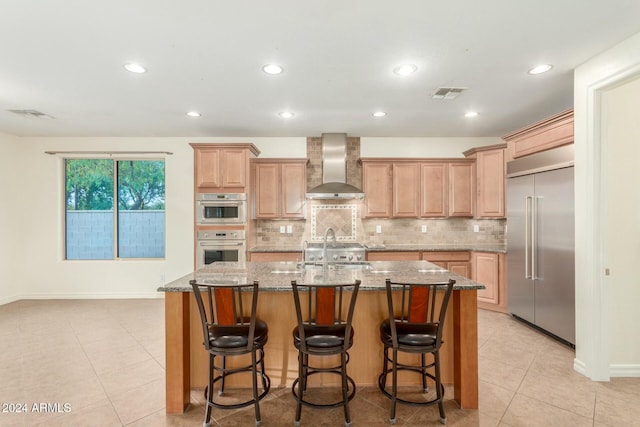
114	209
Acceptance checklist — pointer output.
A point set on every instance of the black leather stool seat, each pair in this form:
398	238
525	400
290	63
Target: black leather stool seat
409	334
237	336
320	337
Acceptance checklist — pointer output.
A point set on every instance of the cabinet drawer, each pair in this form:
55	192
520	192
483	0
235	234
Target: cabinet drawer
446	256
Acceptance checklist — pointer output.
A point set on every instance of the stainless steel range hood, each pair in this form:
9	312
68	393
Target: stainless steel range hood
334	171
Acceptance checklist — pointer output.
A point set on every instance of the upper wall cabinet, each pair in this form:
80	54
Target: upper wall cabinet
549	133
490	180
418	188
377	186
280	187
222	167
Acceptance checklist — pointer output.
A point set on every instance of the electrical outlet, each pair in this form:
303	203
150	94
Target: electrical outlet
424	228
282	229
162	278
289	229
476	228
378	229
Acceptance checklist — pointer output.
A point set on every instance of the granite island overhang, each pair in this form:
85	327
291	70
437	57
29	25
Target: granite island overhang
186	359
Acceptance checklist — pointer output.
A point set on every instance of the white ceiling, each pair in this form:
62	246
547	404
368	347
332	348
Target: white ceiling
64	58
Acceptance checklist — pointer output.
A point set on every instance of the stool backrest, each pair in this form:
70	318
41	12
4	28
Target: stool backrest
325	305
226	305
419	303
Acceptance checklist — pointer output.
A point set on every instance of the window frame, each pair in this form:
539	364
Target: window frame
115	159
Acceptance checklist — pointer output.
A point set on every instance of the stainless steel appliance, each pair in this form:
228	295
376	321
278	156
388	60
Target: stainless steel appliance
343	252
220	246
221	208
540	240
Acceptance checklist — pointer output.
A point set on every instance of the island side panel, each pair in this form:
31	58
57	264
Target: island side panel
177	341
465	325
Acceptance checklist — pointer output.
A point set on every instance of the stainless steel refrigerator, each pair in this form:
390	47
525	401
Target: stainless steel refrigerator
540	241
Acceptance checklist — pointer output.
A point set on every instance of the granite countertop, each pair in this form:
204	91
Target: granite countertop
277	276
391	247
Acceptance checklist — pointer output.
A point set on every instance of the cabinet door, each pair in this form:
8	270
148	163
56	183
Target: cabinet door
293	185
461	268
207	167
233	167
434	190
491	182
486	271
376	183
266	197
461	189
406	193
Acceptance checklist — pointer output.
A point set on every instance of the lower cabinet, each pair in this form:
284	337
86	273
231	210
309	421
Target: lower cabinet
489	269
393	256
275	256
455	262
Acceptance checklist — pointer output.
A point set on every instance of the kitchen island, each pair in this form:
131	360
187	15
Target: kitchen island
186	359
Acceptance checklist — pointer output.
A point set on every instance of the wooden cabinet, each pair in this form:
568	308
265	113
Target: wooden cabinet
279	188
393	256
489	269
418	188
461	189
222	167
275	256
376	184
544	135
435	190
406	190
456	262
490	180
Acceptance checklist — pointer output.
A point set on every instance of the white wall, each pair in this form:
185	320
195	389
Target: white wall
603	302
11	247
621	135
421	147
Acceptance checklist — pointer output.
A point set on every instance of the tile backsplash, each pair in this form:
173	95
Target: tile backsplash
393	231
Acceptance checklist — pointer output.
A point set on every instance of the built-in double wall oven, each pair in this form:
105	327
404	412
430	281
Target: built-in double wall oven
221	209
213	246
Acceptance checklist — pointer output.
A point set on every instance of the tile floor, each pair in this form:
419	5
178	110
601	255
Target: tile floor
104	359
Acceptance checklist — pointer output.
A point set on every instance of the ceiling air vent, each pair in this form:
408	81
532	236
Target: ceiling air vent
448	92
34	114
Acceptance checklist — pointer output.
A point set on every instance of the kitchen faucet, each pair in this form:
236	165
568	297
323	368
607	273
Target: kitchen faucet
325	261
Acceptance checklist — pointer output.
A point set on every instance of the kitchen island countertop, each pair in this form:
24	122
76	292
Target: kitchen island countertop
277	276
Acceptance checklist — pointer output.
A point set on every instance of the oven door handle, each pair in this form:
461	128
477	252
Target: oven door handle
222	245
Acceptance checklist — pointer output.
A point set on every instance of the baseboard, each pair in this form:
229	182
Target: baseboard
137	295
625	371
579	367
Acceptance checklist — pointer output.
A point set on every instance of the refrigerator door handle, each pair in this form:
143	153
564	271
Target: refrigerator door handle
534	237
527	235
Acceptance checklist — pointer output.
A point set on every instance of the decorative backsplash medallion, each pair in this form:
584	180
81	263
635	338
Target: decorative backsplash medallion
342	218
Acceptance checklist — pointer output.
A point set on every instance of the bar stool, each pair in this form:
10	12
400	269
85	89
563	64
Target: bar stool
324	330
230	328
416	328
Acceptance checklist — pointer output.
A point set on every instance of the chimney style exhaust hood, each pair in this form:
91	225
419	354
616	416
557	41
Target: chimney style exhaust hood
334	171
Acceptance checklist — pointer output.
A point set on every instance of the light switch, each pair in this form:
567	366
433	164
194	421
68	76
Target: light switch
378	229
282	229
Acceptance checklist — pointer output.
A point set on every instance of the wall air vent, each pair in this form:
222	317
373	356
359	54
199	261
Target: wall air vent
448	92
33	114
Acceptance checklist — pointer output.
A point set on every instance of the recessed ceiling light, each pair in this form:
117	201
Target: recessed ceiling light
193	114
379	114
286	114
539	69
135	68
405	70
272	69
471	114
